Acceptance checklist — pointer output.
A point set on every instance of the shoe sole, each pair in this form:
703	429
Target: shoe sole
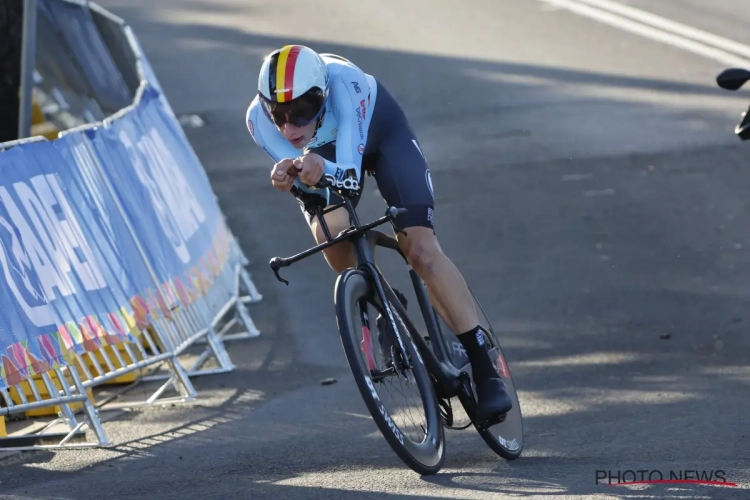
487	422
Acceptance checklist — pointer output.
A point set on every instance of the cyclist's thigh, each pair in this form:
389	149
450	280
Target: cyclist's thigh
336	221
403	178
401	170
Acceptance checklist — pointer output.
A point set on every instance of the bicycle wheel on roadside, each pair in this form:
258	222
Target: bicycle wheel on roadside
397	390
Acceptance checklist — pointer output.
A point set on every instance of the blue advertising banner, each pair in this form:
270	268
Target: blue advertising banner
103	226
167	200
75	278
152	111
56	297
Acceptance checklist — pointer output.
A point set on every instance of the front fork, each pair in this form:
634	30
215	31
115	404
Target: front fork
400	362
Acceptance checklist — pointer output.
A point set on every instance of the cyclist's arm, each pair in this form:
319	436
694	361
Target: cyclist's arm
352	112
267	136
269	139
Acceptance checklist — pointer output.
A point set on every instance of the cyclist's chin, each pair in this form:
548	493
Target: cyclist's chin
299	142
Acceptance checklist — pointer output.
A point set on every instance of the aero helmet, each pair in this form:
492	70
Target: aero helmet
293	85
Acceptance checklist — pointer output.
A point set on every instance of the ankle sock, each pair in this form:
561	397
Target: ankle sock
475	344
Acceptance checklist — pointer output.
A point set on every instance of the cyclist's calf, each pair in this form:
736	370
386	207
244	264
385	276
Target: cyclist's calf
446	285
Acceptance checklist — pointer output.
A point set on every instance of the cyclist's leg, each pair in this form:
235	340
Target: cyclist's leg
340	256
407	184
404	181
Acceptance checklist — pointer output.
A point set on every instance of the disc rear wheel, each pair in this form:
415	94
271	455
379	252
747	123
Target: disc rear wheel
506	437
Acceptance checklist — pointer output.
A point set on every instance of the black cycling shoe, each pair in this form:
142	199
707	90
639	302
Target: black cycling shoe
493	401
386	342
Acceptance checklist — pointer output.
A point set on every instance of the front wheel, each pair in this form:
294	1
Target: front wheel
397	389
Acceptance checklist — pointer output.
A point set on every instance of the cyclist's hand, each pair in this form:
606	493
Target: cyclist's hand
283	174
310	168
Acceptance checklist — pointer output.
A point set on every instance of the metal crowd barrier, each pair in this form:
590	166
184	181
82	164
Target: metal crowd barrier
65	396
91	71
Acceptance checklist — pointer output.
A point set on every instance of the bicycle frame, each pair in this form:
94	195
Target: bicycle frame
449	380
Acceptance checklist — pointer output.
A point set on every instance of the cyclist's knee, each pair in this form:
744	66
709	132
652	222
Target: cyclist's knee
422	249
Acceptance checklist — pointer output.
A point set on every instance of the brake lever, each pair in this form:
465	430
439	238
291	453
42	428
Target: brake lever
276	264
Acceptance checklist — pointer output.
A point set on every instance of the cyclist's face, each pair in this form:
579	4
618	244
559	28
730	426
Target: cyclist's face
298	137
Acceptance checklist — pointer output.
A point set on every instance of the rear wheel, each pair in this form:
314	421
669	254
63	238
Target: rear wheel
506	437
396	388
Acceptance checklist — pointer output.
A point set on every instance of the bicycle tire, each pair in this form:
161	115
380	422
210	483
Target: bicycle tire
427	457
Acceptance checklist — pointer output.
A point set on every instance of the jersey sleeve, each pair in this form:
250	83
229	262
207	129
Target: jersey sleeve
266	135
269	139
350	95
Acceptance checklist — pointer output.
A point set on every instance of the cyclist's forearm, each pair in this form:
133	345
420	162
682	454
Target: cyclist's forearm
339	170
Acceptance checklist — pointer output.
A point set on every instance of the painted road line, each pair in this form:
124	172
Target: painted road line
598	192
720	52
672	26
576	177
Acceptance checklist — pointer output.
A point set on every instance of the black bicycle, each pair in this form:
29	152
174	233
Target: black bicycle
424	372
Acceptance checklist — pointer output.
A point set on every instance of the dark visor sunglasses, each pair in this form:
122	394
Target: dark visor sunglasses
300	112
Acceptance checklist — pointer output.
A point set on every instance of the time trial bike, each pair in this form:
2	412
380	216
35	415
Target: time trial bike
407	378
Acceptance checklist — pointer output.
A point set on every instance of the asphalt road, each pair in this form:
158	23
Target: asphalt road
590	188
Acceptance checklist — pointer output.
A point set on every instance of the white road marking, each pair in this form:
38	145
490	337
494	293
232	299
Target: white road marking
647	25
672	26
576	177
599	192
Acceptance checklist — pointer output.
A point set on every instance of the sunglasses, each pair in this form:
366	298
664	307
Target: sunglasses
300	112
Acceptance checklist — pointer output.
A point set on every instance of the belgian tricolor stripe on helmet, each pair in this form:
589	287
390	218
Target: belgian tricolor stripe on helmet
285	72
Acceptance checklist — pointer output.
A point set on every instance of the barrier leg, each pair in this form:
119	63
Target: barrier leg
241	313
247	320
180	380
67	414
220	353
92	415
253	295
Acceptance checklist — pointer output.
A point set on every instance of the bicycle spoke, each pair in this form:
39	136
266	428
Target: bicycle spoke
402	400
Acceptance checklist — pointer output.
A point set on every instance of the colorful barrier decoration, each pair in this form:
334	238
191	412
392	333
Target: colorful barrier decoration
115	254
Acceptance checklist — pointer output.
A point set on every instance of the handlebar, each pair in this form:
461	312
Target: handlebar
278	262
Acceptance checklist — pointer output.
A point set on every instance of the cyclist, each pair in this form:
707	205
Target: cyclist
319	114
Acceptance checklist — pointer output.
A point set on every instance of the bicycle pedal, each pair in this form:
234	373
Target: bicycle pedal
498	419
